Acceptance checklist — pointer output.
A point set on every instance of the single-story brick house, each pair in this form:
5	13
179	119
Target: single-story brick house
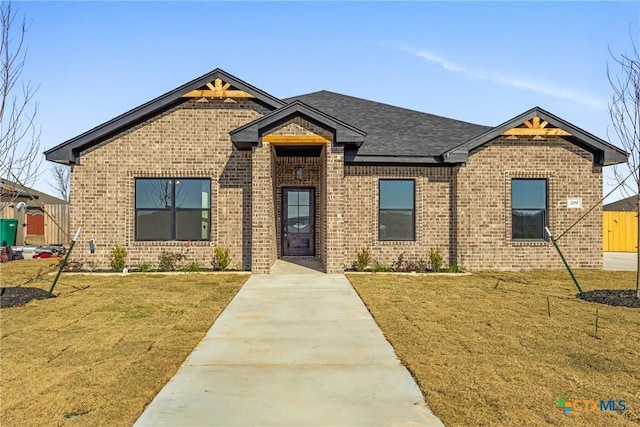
218	161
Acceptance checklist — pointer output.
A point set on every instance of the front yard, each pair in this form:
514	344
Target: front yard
101	350
484	350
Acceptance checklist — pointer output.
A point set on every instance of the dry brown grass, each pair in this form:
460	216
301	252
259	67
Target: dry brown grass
33	239
492	356
99	352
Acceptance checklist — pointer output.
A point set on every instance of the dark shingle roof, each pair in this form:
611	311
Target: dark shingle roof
625	205
393	131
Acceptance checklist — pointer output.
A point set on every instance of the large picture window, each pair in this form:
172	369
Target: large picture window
528	209
173	209
396	213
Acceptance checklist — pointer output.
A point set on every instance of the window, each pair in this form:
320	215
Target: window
173	209
396	214
528	209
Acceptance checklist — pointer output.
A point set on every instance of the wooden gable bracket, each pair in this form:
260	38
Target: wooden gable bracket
535	127
217	89
296	139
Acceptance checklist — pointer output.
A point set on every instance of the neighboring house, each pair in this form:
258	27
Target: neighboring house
34	221
620	225
220	162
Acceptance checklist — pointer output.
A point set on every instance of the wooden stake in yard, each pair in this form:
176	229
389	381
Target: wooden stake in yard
548	306
64	261
597	337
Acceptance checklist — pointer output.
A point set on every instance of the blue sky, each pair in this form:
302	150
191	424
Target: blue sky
483	62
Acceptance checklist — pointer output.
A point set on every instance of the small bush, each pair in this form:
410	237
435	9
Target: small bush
118	258
192	267
144	266
221	258
364	257
381	267
422	266
435	258
405	266
168	261
455	268
71	265
398	264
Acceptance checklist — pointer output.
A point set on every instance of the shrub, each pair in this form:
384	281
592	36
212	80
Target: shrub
118	258
364	257
192	267
221	258
398	264
455	268
435	257
168	261
143	266
402	265
381	267
71	265
422	266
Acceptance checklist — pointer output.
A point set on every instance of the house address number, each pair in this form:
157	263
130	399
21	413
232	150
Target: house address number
574	203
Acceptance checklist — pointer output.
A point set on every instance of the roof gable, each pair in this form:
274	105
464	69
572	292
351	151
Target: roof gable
537	122
13	191
251	134
630	204
217	83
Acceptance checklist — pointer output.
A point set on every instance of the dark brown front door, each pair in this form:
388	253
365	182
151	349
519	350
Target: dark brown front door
298	228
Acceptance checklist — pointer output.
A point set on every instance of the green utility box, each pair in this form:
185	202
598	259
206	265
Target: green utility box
8	230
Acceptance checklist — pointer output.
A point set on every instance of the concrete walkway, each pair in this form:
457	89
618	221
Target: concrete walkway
624	261
292	350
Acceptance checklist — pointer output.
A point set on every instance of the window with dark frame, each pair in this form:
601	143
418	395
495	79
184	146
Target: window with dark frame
396	209
172	209
528	209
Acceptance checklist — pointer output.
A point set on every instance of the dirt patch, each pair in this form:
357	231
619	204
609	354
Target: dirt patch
17	296
615	297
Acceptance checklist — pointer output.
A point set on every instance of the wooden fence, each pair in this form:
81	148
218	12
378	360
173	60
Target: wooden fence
56	224
619	231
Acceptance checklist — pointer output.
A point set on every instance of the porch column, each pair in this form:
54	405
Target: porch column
263	233
334	203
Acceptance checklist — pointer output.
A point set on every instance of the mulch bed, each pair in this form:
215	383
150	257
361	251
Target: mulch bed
615	297
18	295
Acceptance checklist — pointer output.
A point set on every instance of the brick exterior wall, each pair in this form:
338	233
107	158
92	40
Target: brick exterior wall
432	214
483	200
263	234
463	211
191	140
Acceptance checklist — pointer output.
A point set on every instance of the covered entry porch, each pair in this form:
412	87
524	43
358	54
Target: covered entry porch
297	172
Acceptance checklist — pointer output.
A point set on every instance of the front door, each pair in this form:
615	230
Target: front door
298	228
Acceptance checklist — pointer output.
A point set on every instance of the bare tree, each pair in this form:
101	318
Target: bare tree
61	180
20	156
625	117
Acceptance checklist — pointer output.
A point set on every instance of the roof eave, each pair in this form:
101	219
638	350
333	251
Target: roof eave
607	154
67	152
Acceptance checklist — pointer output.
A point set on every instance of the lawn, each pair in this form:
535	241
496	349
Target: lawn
100	351
487	355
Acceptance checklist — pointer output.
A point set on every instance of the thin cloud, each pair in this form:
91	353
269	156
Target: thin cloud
506	80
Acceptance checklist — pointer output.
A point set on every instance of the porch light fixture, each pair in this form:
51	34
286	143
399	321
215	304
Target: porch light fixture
299	173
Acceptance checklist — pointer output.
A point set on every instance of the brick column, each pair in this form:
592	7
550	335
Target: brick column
334	203
263	242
